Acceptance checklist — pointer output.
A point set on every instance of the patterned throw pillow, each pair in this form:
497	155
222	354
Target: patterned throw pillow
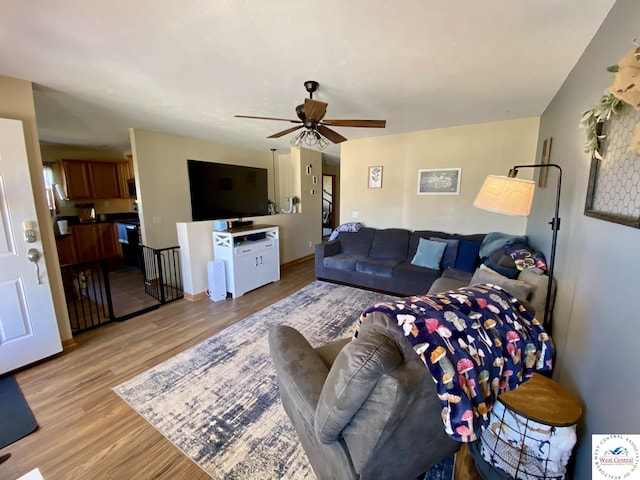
526	257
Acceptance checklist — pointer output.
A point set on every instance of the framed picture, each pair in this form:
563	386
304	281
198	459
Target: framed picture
375	177
439	181
546	156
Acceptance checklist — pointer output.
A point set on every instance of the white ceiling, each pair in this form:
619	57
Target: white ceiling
186	67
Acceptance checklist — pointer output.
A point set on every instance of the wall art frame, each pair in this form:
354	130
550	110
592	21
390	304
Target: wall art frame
439	181
544	160
606	198
374	178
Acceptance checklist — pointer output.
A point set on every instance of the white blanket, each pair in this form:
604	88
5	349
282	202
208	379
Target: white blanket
526	449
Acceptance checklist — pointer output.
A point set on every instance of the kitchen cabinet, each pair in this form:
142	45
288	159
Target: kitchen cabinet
86	242
124	175
251	257
94	180
76	179
66	249
95	241
104	179
108	233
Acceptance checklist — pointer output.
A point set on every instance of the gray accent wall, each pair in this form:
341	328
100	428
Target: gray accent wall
597	329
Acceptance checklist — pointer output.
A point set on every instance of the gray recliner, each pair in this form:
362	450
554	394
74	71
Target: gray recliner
366	409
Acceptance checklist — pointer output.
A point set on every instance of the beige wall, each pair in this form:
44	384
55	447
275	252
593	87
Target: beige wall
160	165
55	153
490	148
16	102
163	187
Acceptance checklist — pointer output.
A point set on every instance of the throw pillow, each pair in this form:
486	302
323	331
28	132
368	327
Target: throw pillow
517	288
502	259
526	257
467	255
429	254
507	272
450	253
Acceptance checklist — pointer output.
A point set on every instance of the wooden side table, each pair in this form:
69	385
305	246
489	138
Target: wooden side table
531	431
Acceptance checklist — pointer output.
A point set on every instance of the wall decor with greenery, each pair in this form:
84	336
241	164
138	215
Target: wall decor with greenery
613	140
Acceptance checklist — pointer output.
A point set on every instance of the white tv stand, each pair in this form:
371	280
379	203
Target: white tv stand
248	263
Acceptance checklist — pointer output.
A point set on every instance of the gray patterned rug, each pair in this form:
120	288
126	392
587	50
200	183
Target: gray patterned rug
218	401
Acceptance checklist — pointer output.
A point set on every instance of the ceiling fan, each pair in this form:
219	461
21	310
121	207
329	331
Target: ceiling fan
311	117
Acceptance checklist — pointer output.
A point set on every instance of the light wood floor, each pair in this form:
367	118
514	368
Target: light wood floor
86	431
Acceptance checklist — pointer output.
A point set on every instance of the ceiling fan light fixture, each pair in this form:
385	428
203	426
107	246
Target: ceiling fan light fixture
323	143
297	140
311	138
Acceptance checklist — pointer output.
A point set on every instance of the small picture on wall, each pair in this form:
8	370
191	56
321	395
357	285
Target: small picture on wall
439	181
546	156
375	177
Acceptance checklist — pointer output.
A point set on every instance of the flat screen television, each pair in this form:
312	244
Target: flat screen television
221	191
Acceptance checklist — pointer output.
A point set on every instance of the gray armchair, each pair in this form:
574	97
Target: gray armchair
366	409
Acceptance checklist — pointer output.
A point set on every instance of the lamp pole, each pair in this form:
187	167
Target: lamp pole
555	226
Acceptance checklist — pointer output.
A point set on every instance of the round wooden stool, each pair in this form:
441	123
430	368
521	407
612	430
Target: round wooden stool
532	431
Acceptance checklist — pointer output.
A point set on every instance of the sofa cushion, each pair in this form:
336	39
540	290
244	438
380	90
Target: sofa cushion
374	266
420	277
353	376
507	272
356	243
341	261
517	288
429	254
450	253
390	243
473	237
539	283
444	284
460	275
467	258
415	237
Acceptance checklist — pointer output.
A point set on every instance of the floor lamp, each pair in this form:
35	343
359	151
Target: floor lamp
513	196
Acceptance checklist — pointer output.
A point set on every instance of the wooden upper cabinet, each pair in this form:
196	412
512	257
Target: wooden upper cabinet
104	179
93	180
123	177
76	179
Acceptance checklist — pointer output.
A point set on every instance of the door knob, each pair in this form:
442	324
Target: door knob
33	256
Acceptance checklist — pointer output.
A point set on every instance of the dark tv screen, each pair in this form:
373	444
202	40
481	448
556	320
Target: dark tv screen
221	191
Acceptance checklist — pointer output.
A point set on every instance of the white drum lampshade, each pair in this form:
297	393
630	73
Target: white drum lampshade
510	196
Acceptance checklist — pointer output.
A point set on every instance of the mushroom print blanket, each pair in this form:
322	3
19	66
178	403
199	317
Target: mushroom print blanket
477	342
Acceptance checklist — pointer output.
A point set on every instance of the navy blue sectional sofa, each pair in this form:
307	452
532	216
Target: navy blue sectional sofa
380	259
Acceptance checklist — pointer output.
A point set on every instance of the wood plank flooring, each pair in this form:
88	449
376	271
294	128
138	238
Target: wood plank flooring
86	431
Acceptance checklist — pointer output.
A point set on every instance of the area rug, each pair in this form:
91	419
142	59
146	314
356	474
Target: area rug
16	419
218	402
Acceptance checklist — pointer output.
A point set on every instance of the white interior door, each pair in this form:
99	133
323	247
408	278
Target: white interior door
28	327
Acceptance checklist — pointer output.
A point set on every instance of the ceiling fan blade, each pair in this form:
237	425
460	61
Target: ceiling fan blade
268	118
332	135
284	132
356	123
314	109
